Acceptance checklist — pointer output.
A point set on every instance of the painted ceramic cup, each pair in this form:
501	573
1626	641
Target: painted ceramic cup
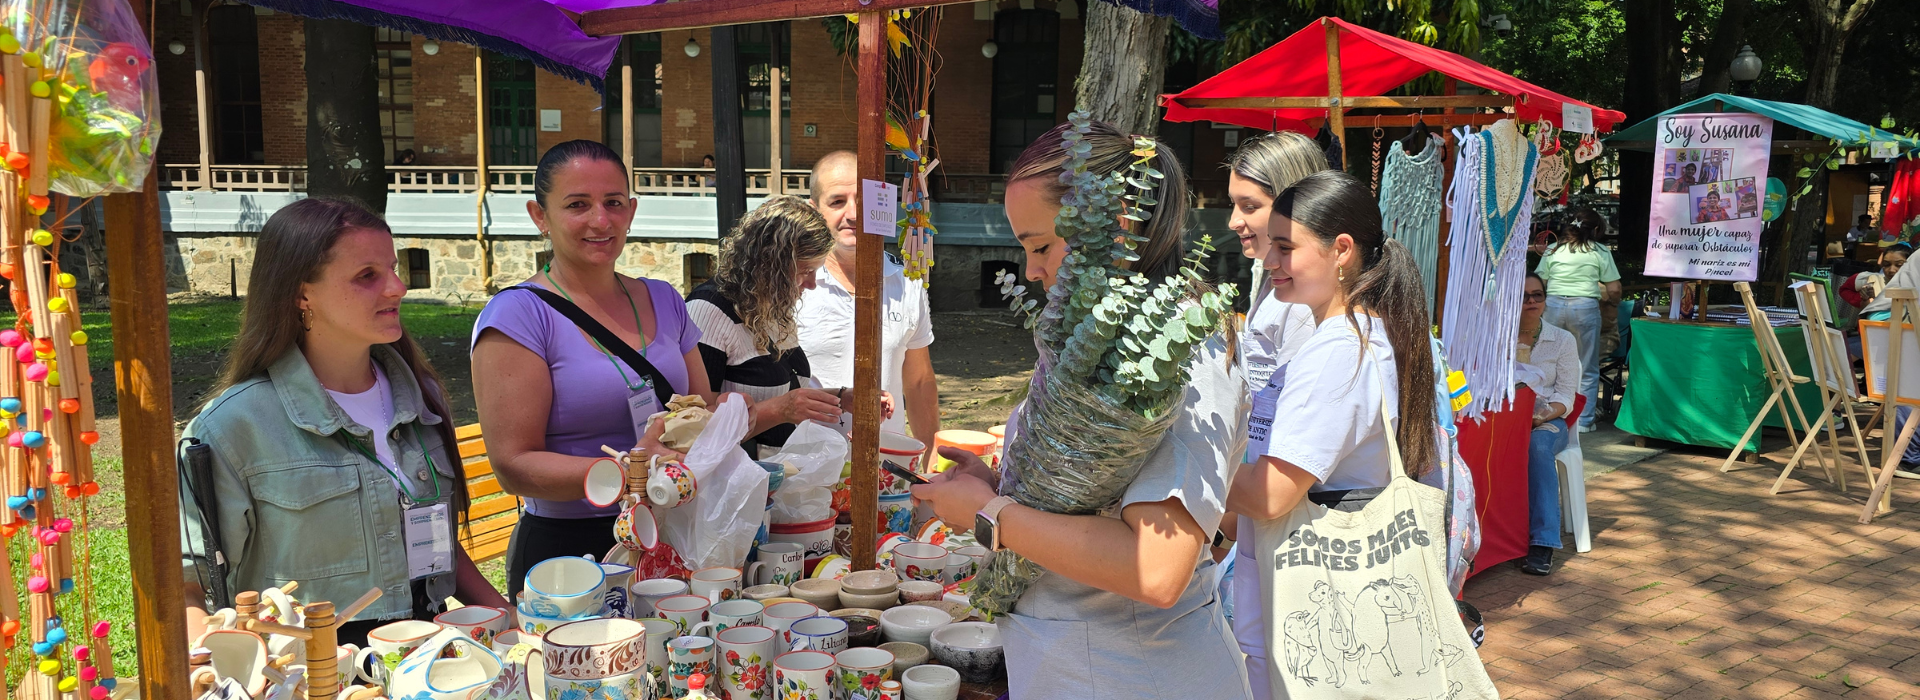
684	611
717	583
564	587
643	595
627	687
804	675
687	655
478	622
896	512
977	553
590	649
670	484
959	567
449	666
392	642
825	633
919	561
659	630
745	655
889	690
921	591
605	482
901	451
730	614
781	616
636	529
778	563
862	670
618	598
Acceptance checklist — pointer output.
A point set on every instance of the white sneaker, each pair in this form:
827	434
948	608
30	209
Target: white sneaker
1587	429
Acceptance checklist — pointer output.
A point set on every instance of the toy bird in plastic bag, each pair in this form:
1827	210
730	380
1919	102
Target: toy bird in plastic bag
96	64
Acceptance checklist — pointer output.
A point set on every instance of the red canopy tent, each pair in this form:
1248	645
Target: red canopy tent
1334	63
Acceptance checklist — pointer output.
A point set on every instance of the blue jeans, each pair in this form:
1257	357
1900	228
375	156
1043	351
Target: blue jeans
1581	317
1543	483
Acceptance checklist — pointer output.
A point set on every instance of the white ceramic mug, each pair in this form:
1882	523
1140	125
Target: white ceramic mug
605	482
564	587
959	567
930	682
644	594
862	670
618	596
780	562
745	660
781	616
919	561
684	611
392	642
480	623
687	655
659	630
903	451
730	614
823	633
804	675
449	666
590	649
242	656
719	583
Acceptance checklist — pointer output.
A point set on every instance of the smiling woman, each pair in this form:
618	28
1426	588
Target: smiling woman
550	394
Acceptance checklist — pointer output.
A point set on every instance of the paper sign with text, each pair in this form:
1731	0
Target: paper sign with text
1576	118
1709	180
879	207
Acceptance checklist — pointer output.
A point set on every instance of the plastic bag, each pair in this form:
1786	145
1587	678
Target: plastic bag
817	451
708	531
104	95
807	505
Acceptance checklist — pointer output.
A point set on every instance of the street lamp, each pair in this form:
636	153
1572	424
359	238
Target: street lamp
1746	66
989	49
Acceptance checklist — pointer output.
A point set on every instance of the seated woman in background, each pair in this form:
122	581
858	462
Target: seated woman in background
745	316
328	430
1548	361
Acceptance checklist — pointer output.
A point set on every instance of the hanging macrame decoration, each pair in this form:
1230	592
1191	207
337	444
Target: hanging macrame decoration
1550	177
1492	210
1410	193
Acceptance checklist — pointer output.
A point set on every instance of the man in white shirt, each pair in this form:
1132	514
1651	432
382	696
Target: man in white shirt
1863	231
825	316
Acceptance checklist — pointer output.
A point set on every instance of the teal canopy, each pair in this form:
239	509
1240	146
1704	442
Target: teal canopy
1823	123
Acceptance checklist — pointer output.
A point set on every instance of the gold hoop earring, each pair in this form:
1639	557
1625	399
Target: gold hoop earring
306	319
1342	273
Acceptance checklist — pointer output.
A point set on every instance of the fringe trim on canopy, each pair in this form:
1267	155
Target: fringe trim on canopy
1481	331
1410	198
333	9
1199	17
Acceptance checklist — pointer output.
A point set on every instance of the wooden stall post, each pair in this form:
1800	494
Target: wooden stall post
867	284
323	667
1906	312
1336	114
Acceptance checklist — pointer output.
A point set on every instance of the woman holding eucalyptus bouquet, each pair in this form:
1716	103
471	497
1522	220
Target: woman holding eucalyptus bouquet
1125	607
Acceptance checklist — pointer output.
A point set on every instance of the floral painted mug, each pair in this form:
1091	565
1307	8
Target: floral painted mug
670	484
862	670
745	656
686	656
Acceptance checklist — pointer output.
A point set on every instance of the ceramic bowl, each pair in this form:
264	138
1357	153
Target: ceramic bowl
765	591
921	591
862	630
872	582
960	611
823	592
906	655
857	612
913	623
931	682
880	602
777	601
972	648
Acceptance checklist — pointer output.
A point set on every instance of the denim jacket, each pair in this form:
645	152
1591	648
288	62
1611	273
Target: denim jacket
297	503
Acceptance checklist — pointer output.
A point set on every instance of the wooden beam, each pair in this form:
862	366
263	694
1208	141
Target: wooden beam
867	282
626	106
729	145
776	183
1336	115
200	95
666	17
137	291
480	169
1408	120
1415	102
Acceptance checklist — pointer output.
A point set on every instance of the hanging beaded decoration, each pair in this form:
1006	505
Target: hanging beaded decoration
1378	134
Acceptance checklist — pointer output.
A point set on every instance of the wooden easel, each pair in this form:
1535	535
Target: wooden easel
1833	373
1905	313
1780	375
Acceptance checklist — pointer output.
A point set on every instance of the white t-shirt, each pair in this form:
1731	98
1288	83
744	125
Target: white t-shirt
373	409
1275	332
1326	417
825	320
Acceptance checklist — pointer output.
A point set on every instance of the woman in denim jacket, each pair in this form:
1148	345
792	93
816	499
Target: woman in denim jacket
328	431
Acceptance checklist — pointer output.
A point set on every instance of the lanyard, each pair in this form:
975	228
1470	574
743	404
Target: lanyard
644	382
433	472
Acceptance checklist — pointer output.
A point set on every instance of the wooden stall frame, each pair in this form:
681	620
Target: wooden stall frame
1905	313
1780	376
1836	391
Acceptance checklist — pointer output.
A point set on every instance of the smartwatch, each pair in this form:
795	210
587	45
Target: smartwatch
986	523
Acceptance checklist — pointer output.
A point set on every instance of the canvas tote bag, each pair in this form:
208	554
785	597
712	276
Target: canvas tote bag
1357	604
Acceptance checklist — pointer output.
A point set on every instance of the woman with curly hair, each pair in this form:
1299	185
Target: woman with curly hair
745	315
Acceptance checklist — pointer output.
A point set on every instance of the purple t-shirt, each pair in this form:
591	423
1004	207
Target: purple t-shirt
589	397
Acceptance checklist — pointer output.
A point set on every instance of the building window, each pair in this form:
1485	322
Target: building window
233	48
699	268
416	268
1024	76
393	56
643	52
757	43
512	119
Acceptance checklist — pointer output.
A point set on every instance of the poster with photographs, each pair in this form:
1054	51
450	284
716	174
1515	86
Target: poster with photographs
1709	175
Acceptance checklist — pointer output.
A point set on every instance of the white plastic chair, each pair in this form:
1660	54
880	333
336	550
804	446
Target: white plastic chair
1573	487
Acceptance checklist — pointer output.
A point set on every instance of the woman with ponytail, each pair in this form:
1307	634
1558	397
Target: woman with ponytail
1328	442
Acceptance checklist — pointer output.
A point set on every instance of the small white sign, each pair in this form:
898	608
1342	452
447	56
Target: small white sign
1576	118
879	207
1884	149
549	120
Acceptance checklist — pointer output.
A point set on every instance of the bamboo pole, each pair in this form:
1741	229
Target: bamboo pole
867	277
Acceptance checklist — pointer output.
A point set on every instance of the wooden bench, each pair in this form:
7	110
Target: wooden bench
492	512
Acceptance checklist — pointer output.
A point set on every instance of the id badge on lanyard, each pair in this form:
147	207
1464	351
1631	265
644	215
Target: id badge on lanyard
641	405
429	540
1260	421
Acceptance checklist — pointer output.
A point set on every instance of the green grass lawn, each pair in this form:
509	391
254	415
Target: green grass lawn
209	325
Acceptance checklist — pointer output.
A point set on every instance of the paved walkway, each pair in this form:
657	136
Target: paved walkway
1700	585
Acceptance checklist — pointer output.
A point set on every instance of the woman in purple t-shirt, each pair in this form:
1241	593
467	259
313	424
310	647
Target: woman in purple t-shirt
548	395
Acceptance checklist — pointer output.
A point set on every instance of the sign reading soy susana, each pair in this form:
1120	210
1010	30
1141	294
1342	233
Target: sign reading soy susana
1709	185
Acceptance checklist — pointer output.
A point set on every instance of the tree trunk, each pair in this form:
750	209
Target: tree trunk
1123	71
1834	22
1727	40
345	154
1646	94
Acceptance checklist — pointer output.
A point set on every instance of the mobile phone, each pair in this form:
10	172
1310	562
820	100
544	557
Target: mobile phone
903	473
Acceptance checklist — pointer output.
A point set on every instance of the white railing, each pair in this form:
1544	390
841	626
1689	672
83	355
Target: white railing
504	179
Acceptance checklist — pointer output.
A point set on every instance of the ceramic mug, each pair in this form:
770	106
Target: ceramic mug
449	666
242	656
781	562
889	690
719	583
565	587
589	649
896	512
977	553
351	660
392	642
824	633
670	484
919	561
659	630
618	598
730	614
684	611
901	451
635	528
781	616
627	687
745	657
478	622
832	566
504	642
804	675
643	595
862	670
687	655
959	567
604	482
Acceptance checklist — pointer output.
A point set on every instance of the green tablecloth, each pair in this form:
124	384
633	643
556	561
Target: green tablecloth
1701	384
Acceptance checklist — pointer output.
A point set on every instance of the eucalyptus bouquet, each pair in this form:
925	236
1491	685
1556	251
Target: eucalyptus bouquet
1114	347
